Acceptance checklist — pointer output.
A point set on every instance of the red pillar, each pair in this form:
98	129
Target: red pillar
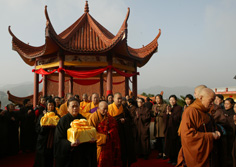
36	87
101	85
109	76
45	85
135	83
71	85
61	75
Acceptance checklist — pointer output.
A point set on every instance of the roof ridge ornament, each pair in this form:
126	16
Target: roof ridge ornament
86	8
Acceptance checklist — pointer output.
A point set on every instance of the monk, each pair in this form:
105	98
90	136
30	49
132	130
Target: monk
125	125
198	89
108	143
198	133
63	108
27	127
224	127
72	154
91	107
142	121
12	125
84	102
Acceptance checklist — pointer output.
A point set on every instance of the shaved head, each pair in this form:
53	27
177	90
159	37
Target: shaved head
207	97
117	99
198	89
103	107
95	98
117	94
206	92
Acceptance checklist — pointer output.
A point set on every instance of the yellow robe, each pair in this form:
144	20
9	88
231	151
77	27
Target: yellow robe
94	120
63	109
114	111
82	105
85	112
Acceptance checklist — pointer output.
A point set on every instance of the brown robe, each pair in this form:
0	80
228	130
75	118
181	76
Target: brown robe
197	142
222	124
218	114
142	122
158	112
230	136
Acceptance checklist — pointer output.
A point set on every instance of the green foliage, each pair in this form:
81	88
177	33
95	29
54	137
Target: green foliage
180	101
147	95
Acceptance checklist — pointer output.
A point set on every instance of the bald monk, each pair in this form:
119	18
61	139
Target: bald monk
125	129
197	90
198	133
84	102
91	107
63	108
108	142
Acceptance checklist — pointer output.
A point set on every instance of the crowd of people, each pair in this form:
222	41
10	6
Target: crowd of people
200	133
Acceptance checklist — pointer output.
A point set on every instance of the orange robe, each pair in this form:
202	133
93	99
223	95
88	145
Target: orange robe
114	111
196	144
89	109
63	109
108	142
83	104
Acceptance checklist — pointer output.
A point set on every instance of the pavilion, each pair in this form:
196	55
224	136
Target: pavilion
87	54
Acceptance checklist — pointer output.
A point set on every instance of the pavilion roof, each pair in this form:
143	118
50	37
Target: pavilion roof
20	100
85	36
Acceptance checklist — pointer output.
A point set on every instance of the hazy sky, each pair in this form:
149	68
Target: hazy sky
197	44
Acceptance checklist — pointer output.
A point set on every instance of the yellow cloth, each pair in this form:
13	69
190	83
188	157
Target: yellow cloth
82	105
81	131
63	110
94	120
101	138
49	119
114	111
85	112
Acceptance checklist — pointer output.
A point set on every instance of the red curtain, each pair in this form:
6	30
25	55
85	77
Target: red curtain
41	81
85	74
43	72
124	74
86	81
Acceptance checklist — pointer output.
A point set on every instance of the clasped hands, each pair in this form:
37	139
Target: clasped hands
216	135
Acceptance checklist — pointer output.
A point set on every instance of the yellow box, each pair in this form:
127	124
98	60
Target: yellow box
49	119
80	130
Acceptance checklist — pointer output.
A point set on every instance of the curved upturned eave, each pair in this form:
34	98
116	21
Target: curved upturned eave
142	55
19	100
28	52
